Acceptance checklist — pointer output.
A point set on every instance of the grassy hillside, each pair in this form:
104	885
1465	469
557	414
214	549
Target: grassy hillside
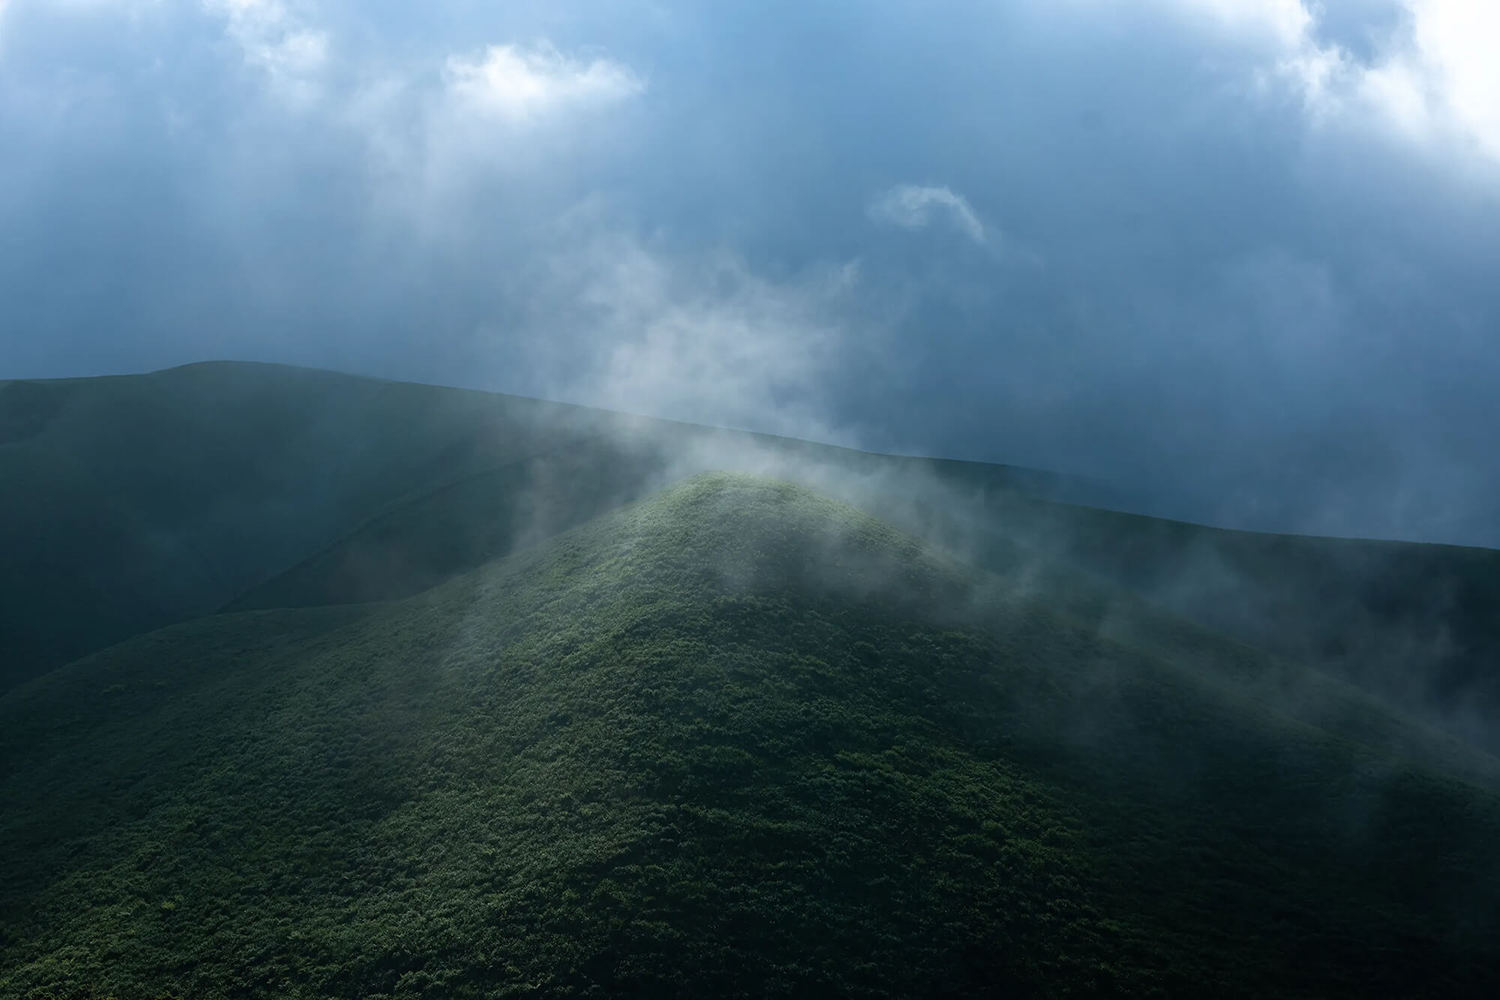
129	503
135	501
739	739
455	526
1418	624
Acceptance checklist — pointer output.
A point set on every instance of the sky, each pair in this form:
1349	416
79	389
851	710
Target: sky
1240	258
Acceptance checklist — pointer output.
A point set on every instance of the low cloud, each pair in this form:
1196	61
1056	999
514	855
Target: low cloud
1284	21
276	41
1430	81
615	320
1445	77
911	206
521	85
512	126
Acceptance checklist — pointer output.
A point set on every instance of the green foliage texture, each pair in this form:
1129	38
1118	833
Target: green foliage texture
736	739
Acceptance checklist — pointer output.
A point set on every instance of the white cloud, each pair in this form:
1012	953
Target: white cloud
711	340
911	206
509	117
520	85
276	41
615	320
1447	78
1286	22
1433	83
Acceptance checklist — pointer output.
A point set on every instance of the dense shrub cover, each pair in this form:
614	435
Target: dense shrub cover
736	740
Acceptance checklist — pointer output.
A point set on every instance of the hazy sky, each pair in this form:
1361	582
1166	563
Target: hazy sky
1240	256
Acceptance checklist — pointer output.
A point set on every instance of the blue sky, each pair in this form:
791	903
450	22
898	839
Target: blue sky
1238	256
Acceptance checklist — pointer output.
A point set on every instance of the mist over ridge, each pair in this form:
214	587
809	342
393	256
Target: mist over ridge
1227	256
227	486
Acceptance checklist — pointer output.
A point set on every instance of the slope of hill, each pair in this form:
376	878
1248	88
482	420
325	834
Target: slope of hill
741	740
129	502
134	501
1418	624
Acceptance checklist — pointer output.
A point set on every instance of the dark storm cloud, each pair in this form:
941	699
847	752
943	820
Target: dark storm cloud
1210	249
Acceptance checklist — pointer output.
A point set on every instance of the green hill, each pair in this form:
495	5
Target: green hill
135	501
130	502
736	739
127	503
1416	624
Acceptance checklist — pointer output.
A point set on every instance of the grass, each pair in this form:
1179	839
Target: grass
138	501
737	739
134	502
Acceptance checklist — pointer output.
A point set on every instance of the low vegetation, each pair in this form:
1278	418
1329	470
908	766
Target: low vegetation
737	739
134	502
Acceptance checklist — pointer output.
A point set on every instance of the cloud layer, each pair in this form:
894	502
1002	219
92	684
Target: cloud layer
1233	255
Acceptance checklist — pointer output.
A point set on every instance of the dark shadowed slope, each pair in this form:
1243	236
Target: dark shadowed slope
425	539
1417	624
736	740
130	502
